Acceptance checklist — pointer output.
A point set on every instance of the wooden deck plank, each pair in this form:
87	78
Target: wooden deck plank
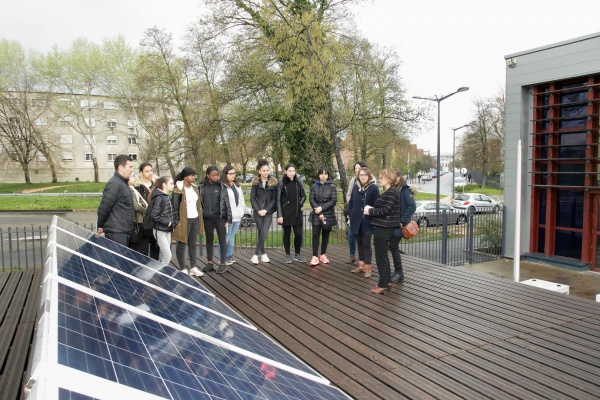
565	377
514	374
502	288
17	333
551	356
8	290
451	385
443	334
430	326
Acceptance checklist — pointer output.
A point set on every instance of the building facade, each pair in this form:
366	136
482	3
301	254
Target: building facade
553	107
78	131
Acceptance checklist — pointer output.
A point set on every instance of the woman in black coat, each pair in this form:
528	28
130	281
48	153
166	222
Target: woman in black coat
407	208
263	197
364	193
290	199
323	197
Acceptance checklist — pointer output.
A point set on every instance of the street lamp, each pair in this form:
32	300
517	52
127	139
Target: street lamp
453	154
438	100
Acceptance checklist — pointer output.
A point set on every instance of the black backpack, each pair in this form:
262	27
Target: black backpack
148	223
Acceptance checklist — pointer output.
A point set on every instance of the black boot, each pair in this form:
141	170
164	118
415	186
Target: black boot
397	278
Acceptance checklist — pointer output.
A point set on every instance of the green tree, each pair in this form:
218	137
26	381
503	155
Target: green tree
23	123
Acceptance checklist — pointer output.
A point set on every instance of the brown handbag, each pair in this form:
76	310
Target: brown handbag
409	230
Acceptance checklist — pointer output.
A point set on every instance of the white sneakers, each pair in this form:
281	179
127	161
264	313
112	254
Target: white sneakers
196	272
263	258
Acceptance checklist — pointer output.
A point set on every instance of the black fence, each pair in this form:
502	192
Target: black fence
455	237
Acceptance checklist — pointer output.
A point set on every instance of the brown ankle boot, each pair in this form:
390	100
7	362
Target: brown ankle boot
367	269
359	268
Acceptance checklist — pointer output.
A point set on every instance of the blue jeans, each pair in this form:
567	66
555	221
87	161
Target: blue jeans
231	231
351	242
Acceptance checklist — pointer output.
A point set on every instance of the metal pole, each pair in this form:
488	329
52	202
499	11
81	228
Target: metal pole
516	259
437	184
453	159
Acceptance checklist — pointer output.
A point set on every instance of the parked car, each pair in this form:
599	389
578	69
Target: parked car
459	183
248	218
426	177
476	201
245	179
425	214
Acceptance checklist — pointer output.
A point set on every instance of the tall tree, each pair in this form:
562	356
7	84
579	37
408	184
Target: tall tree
482	144
76	74
24	121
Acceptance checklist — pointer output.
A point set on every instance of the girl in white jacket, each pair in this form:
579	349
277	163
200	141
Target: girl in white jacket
238	208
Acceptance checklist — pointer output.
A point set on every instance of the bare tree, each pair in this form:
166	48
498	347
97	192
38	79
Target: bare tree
482	144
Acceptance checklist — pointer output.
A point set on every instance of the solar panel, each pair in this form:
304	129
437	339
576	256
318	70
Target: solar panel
114	324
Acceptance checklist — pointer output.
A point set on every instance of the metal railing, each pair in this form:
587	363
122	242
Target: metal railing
458	237
23	248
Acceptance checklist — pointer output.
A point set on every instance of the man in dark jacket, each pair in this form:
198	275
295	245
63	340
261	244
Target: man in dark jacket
115	212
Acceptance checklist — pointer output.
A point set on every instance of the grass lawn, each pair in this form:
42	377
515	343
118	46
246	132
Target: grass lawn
39	203
78	187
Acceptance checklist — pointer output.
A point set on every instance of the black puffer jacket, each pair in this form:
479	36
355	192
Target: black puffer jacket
263	198
324	196
290	199
115	212
215	201
162	211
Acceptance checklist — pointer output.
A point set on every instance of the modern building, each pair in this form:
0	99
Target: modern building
553	107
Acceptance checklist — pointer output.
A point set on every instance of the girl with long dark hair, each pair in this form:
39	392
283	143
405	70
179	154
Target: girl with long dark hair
323	197
290	199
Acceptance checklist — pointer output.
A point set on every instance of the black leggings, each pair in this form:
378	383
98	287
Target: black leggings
315	242
287	231
209	229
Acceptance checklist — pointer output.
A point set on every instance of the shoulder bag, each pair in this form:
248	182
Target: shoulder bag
409	230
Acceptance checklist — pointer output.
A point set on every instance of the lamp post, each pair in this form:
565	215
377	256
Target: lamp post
438	100
453	153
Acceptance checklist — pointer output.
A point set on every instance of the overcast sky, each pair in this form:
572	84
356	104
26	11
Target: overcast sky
443	44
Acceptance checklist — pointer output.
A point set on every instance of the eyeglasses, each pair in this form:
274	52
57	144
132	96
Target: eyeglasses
231	173
365	175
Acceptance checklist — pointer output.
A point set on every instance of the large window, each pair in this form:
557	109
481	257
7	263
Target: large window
564	163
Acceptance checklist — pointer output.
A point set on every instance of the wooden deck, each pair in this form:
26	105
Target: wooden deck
19	300
443	334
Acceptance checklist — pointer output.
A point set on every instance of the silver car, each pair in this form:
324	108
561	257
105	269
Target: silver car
425	214
477	202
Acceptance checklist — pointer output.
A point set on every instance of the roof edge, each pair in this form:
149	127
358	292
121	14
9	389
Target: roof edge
550	46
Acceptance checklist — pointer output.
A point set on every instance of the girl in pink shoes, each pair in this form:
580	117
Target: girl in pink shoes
323	197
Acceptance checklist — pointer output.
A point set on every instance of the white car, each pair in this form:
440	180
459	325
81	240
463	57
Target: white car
459	183
475	201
